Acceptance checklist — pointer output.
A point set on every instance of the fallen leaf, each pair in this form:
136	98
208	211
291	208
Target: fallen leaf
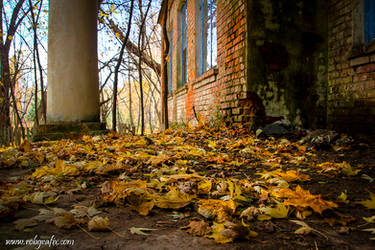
65	220
197	228
303	198
228	231
21	224
173	199
204	187
99	224
42	197
306	229
25	146
370	203
371	230
343	197
139	230
278	212
369	219
218	209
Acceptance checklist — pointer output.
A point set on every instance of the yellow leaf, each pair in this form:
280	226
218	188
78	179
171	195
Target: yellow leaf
99	224
369	219
219	234
343	197
222	210
370	203
117	34
278	212
303	198
173	199
25	146
227	232
347	169
10	38
204	187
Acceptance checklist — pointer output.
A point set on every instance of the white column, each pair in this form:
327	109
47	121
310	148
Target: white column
73	84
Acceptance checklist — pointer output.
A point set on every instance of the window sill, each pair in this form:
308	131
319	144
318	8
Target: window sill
360	51
205	75
181	90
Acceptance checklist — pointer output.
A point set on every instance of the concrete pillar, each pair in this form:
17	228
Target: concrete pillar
73	84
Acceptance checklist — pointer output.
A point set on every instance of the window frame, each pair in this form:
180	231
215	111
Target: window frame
170	64
369	22
204	50
184	62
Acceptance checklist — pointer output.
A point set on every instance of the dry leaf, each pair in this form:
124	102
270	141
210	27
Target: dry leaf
197	228
222	210
21	224
370	203
65	220
173	199
303	198
278	212
139	230
306	229
99	224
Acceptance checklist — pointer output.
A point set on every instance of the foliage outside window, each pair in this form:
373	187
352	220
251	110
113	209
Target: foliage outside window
208	35
184	45
369	21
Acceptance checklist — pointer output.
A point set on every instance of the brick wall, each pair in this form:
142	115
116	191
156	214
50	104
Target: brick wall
232	34
219	87
351	87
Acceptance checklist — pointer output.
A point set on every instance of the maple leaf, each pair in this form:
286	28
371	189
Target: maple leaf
303	198
204	187
42	197
220	235
173	199
228	231
197	228
83	211
99	224
216	208
278	212
370	203
235	191
64	220
25	146
369	219
21	224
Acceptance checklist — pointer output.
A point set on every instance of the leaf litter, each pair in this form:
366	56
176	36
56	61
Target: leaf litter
231	181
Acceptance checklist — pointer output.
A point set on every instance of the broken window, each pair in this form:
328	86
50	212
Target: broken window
184	45
170	56
369	24
208	35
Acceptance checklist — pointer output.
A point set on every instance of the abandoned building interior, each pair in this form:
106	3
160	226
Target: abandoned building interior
310	62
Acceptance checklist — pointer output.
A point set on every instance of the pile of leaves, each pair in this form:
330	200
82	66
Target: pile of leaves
225	179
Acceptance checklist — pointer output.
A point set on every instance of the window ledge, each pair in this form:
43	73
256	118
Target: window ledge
360	51
205	75
181	90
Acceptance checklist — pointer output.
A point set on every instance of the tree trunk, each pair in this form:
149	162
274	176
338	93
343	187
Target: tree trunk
164	72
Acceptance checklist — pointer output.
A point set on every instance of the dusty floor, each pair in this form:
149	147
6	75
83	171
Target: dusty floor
173	160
